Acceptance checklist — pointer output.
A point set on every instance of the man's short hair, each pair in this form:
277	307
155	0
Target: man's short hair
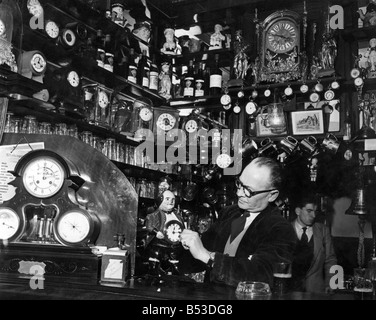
275	171
306	198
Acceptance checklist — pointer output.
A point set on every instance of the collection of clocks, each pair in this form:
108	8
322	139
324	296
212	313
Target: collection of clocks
165	120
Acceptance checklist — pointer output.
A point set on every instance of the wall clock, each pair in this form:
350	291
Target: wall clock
165	120
280	47
172	231
52	29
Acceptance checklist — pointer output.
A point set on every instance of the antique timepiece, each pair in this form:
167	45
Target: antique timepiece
33	65
9	223
52	29
67	38
251	108
223	161
172	231
280	47
103	107
103	99
146	114
142	117
165	120
73	78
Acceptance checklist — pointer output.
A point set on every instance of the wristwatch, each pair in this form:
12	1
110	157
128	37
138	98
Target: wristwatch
210	263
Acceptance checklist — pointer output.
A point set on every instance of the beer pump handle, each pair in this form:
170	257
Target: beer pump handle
198	114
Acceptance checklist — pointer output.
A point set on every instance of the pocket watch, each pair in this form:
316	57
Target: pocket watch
43	177
359	82
329	95
288	91
223	160
74	227
38	63
172	231
9	223
225	100
335	85
355	73
314	97
52	29
304	88
191	126
267	93
251	108
237	108
166	121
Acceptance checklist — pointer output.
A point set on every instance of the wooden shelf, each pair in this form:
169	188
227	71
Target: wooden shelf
138	172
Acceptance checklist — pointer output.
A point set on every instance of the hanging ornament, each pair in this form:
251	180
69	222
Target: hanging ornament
251	107
288	91
226	99
241	93
319	87
329	94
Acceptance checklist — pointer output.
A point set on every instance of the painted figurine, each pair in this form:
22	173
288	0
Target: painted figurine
165	81
371	54
217	38
369	17
171	46
241	64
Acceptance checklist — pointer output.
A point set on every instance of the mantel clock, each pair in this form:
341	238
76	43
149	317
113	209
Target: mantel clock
280	47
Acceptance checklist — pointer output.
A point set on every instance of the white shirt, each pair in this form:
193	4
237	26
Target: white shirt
299	230
232	247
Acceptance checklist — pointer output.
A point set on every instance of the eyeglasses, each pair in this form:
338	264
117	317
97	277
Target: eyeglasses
247	192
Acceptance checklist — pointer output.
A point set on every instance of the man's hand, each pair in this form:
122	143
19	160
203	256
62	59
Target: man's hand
191	241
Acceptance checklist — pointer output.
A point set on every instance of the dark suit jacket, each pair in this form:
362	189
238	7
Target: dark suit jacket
318	275
269	239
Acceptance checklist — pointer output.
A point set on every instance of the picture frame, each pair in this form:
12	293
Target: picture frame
263	131
307	122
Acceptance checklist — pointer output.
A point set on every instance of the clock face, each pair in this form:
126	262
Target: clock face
355	73
2	28
73	79
223	161
69	38
166	121
267	93
282	36
38	62
146	114
237	109
52	29
9	223
288	91
73	227
43	177
103	99
191	126
314	97
225	100
329	95
173	230
304	88
250	108
358	82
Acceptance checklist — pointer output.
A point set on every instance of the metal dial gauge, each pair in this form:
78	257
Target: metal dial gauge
52	29
2	28
9	223
223	161
103	99
73	79
38	63
73	227
166	121
172	231
43	177
191	126
146	114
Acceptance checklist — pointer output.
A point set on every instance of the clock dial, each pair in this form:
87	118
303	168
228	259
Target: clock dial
223	161
237	109
73	227
358	82
355	73
38	62
52	29
282	36
9	223
43	177
329	95
146	114
103	99
250	108
304	88
191	126
166	121
225	100
69	38
173	230
314	97
73	79
2	28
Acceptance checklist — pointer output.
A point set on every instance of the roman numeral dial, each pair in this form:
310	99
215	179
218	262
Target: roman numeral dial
282	36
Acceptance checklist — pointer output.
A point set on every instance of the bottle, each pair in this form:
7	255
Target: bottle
184	71
176	84
200	82
109	54
132	70
122	62
154	76
189	81
143	70
216	78
101	53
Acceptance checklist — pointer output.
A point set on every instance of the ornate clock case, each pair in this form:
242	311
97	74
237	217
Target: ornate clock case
62	209
280	47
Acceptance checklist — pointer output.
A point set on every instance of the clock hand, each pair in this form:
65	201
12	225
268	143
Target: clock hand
7	225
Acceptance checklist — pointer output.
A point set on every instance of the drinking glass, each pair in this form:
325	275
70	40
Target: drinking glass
248	290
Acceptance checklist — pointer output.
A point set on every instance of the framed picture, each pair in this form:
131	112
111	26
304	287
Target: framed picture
263	130
307	122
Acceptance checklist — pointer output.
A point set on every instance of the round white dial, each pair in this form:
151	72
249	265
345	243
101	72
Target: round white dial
250	108
69	37
52	29
288	91
358	82
173	230
225	100
38	62
146	114
304	88
43	177
329	95
103	99
9	223
314	97
335	85
35	8
267	93
166	121
73	79
73	227
237	109
223	161
355	73
191	126
2	28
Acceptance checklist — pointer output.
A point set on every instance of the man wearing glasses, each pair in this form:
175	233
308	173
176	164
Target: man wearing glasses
250	237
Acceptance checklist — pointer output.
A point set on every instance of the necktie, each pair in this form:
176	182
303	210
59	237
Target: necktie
237	225
304	238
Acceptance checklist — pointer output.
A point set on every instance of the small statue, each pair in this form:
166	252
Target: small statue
328	52
165	81
371	55
241	64
368	18
217	38
171	46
